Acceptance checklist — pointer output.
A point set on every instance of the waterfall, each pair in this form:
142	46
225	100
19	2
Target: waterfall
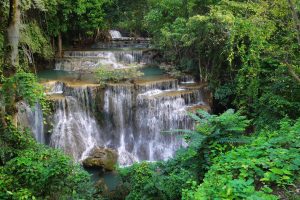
54	87
155	115
187	79
32	118
118	104
115	34
91	60
160	84
74	129
133	117
137	114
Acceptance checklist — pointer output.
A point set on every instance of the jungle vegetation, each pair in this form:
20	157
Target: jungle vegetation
247	51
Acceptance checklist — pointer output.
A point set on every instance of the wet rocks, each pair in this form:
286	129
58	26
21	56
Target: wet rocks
101	157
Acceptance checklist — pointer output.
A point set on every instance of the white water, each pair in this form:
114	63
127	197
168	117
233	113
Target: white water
115	34
74	129
91	60
32	118
133	117
137	115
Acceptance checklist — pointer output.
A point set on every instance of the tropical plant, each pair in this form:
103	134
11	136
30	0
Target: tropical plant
266	168
214	135
32	171
105	74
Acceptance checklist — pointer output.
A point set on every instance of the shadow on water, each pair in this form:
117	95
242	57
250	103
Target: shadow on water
60	75
111	179
152	71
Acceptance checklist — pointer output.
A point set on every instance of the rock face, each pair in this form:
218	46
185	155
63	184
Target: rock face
102	157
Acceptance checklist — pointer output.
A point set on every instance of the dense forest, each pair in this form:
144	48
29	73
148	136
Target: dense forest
245	53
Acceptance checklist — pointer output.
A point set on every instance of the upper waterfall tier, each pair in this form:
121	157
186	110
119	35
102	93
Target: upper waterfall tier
118	41
124	42
115	34
91	60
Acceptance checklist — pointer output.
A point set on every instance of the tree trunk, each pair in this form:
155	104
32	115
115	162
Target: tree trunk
53	43
297	27
59	46
293	73
295	19
11	57
200	70
12	36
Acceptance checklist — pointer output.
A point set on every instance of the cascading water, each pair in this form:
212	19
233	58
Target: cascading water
115	34
91	60
133	118
32	118
74	129
118	104
138	113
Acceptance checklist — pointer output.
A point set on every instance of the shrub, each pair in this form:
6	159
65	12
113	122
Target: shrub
32	171
155	181
270	163
44	173
116	75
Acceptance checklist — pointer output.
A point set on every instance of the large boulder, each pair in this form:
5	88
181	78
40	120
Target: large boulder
101	157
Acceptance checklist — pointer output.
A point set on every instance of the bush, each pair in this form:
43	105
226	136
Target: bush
269	164
116	75
44	173
32	171
155	181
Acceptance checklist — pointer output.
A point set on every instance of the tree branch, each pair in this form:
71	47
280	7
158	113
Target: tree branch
293	73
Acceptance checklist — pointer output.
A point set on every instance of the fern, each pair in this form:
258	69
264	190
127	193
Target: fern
210	131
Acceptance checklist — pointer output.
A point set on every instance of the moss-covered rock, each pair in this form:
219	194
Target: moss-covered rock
101	157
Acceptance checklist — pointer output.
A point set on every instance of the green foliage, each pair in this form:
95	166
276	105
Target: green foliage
244	49
214	135
29	170
34	4
35	41
104	74
11	141
254	171
45	174
155	181
74	18
32	171
23	87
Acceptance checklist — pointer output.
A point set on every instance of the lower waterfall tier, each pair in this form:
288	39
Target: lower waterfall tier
128	117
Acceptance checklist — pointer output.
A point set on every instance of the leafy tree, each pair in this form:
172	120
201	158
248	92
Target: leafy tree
242	48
